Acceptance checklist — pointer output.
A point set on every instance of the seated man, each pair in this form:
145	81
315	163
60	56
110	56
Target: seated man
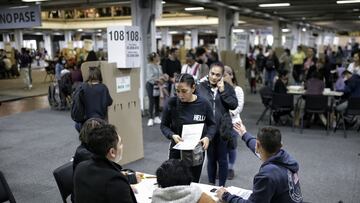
100	179
174	179
280	88
277	180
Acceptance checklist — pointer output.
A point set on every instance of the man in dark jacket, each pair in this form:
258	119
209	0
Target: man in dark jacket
100	179
222	98
277	180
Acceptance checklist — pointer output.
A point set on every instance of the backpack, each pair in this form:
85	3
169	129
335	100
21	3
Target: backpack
77	107
66	84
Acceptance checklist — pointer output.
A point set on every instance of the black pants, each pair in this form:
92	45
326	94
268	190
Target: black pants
195	170
153	101
298	73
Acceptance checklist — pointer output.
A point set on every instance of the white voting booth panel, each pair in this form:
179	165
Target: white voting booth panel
124	113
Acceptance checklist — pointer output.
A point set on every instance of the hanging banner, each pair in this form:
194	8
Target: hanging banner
123	43
20	17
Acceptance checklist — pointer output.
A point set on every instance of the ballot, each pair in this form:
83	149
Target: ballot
191	135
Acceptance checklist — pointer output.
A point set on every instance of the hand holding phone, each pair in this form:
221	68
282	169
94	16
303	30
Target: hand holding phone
221	84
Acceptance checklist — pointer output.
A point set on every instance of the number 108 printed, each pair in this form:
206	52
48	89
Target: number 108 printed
124	35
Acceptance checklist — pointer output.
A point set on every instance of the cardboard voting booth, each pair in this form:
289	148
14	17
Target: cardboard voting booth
124	113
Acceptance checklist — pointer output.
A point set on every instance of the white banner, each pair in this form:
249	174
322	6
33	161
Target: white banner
123	44
20	17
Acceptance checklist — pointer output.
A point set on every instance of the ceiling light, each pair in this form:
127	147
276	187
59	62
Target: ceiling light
274	5
356	9
32	0
285	30
238	30
173	32
99	30
80	30
241	22
303	29
163	2
348	2
194	8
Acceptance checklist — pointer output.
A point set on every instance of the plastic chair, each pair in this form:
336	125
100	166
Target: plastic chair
316	104
266	97
353	109
5	192
281	102
64	179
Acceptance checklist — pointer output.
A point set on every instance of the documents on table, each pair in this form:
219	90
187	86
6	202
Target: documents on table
191	134
243	193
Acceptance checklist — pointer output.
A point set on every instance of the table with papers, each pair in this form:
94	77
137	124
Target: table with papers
148	184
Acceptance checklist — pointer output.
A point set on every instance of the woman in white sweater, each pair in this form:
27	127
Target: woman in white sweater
230	78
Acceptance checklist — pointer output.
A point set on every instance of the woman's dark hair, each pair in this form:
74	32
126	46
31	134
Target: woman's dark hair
102	139
91	56
218	64
60	59
89	125
186	78
287	51
151	56
233	80
270	139
94	74
200	51
173	172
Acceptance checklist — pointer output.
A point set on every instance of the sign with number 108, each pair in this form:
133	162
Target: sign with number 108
124	46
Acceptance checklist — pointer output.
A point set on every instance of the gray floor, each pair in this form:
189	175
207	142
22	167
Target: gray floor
33	144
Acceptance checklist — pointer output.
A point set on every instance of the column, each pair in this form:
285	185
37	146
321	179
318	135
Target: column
68	36
295	32
166	38
143	15
95	42
6	37
18	39
224	29
194	38
276	31
48	44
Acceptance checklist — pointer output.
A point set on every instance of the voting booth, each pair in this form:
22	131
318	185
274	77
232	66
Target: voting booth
124	113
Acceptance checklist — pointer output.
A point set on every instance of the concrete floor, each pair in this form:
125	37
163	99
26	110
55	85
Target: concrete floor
34	143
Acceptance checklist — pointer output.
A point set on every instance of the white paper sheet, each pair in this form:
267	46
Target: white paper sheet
245	194
191	134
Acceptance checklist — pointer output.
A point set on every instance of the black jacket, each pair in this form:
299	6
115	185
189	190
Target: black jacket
81	154
99	180
223	102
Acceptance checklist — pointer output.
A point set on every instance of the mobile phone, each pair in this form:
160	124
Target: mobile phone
213	190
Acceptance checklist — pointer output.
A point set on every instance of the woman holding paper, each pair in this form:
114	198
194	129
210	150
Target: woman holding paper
186	109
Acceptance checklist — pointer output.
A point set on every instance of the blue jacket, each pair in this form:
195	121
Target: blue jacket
276	182
352	86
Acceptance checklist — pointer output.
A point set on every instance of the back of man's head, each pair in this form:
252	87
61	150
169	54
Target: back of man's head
173	172
270	139
102	139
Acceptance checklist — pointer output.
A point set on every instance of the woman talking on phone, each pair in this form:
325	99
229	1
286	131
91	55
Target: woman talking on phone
183	109
222	98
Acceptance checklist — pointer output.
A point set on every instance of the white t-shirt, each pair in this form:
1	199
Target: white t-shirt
193	70
235	114
352	67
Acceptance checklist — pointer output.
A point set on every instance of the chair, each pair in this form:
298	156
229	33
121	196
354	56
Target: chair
266	97
281	103
64	179
353	109
316	104
5	192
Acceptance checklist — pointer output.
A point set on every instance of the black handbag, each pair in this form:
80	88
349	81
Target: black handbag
193	157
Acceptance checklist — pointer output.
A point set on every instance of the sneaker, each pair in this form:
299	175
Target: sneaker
231	174
157	120
150	122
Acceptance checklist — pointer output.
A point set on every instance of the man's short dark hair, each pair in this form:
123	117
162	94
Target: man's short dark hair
102	139
173	172
200	51
270	139
173	50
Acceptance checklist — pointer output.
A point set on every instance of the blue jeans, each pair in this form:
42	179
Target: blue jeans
269	78
217	156
232	152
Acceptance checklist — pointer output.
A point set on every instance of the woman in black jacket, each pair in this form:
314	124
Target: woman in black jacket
187	108
222	98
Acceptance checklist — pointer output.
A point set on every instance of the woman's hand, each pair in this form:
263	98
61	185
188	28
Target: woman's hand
220	192
177	138
205	142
